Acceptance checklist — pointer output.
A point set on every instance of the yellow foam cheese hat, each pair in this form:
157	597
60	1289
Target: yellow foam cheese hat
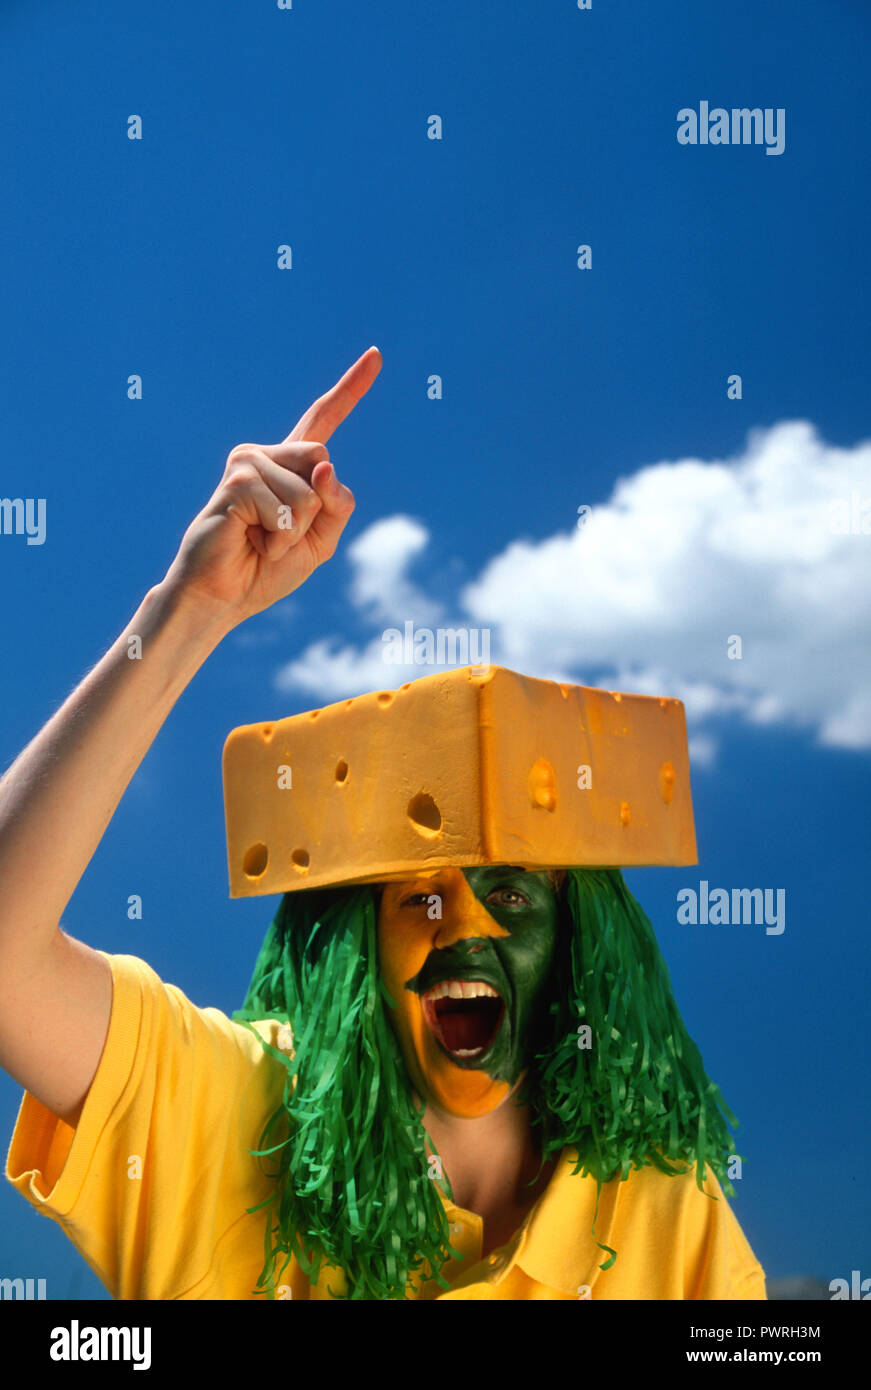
470	766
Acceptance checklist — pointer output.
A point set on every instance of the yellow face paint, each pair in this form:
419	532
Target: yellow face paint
489	934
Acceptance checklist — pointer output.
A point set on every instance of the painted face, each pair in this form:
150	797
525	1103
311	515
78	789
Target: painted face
467	983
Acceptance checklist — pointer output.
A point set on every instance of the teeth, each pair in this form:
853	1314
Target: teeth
461	989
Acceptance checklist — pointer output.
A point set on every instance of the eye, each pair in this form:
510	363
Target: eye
508	897
416	900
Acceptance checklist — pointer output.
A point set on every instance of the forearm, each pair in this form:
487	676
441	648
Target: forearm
60	794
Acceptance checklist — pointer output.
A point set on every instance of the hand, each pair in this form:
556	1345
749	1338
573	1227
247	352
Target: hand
277	512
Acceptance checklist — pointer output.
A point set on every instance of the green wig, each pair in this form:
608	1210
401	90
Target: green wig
614	1074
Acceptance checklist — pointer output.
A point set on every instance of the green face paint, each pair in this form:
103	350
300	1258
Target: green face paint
484	1033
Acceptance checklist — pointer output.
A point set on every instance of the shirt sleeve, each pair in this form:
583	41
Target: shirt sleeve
158	1167
719	1262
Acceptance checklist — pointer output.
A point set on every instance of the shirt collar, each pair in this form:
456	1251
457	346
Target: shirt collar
555	1245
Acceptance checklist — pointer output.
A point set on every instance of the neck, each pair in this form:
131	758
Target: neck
491	1160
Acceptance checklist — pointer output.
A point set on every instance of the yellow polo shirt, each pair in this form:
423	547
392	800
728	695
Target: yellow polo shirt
153	1183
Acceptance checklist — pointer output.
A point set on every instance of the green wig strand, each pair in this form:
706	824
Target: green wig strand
353	1184
353	1188
632	1090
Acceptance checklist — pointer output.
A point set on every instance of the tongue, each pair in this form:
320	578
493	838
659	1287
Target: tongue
467	1024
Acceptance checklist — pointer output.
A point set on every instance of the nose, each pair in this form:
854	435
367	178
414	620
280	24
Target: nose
463	915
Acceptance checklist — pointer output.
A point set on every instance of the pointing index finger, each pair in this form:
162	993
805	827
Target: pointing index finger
329	410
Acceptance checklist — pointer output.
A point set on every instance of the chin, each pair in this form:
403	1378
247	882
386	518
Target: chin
467	1095
468	1110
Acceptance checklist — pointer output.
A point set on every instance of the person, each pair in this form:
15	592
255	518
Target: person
402	1108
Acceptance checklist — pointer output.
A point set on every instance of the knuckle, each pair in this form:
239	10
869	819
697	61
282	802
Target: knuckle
241	453
311	451
241	474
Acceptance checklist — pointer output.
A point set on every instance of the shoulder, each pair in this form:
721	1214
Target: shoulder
690	1213
677	1237
689	1199
162	1011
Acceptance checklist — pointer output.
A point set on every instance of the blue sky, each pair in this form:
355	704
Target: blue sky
710	517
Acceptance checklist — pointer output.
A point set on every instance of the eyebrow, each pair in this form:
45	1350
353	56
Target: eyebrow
495	871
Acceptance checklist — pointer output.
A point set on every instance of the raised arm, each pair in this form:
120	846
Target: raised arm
277	514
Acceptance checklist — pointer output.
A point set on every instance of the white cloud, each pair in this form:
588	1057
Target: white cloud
379	558
682	557
331	671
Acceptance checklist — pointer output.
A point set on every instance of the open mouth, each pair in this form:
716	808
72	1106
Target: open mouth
464	1015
